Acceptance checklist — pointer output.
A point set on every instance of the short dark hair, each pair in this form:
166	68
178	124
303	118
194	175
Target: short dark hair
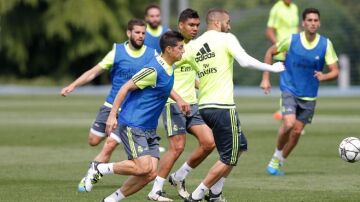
187	14
170	38
310	10
135	21
151	6
213	14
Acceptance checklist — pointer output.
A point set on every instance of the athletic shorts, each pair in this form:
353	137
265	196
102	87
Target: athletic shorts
175	122
99	125
139	142
303	109
229	138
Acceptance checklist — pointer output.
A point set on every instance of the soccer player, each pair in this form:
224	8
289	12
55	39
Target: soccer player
123	61
154	28
283	21
148	91
212	54
307	53
177	124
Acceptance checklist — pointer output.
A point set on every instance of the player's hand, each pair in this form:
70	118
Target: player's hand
67	90
319	75
278	67
184	106
111	124
266	86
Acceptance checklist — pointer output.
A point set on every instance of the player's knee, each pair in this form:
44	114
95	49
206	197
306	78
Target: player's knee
208	146
152	175
179	149
143	170
288	125
94	140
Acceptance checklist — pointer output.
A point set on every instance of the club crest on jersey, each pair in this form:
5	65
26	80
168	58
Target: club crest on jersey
204	53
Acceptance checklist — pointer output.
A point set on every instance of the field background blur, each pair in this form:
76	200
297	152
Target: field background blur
45	44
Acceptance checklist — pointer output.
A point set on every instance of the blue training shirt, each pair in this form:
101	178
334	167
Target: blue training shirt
142	108
154	41
124	67
300	63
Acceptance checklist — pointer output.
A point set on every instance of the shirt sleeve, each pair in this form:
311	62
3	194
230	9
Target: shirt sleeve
108	61
145	77
244	59
283	46
272	18
330	55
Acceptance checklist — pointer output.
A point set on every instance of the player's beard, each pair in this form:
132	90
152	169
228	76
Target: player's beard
224	28
154	25
135	45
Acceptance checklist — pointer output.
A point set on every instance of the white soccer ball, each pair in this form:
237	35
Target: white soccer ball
349	149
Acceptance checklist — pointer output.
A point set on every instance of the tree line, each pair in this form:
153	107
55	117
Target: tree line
63	38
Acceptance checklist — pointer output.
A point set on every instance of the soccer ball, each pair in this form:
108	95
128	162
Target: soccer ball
349	149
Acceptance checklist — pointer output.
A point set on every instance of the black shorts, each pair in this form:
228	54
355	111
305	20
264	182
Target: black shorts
229	138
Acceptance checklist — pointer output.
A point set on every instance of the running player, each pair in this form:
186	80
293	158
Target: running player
154	28
283	21
213	54
147	91
177	124
123	61
307	53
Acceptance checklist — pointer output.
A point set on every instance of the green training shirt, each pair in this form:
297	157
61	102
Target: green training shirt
285	20
184	83
212	58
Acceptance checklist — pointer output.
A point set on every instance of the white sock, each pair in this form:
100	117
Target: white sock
217	187
199	192
182	172
106	168
278	154
114	197
158	184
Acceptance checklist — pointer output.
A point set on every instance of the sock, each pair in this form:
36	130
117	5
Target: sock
106	168
116	196
199	192
278	154
217	187
182	172
158	184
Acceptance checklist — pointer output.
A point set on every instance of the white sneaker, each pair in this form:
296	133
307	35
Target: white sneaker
92	177
158	196
180	186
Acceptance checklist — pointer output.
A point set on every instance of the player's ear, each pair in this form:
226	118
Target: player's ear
128	33
181	25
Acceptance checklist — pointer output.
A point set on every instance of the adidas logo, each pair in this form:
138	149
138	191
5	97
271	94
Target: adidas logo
204	53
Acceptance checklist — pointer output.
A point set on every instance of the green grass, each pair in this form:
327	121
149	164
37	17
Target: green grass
44	153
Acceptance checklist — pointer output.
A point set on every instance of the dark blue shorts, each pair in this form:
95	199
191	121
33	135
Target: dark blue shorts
303	109
139	142
229	138
99	125
175	122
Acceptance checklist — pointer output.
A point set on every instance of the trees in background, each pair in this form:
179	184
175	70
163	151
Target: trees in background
62	38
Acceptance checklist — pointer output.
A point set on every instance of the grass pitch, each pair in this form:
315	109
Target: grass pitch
44	152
